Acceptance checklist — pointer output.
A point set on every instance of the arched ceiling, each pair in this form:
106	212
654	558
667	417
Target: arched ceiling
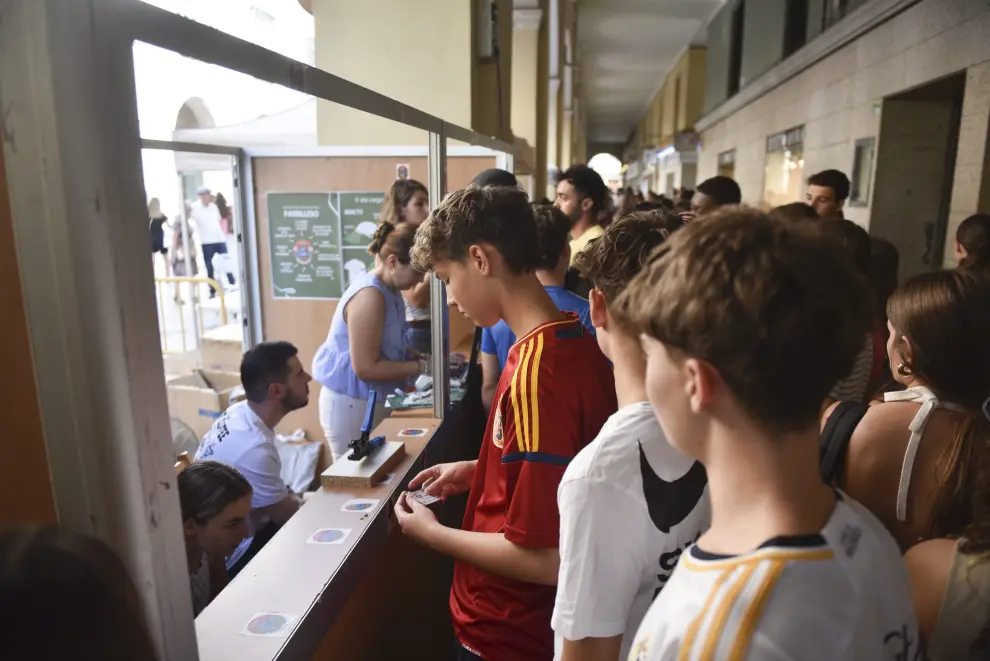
626	47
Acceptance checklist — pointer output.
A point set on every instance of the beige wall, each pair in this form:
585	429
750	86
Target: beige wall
838	100
419	53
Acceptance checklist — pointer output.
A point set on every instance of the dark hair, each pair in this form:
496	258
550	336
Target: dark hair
553	228
499	217
206	488
495	177
66	595
612	260
973	235
946	317
884	264
851	239
263	365
749	295
795	212
588	184
837	181
222	205
393	240
398	196
724	190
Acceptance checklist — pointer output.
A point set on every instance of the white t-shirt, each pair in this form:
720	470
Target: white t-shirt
207	221
841	594
240	439
629	504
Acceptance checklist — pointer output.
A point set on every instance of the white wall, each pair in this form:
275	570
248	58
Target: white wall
165	80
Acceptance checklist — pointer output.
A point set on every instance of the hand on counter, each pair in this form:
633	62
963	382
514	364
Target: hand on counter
414	519
445	480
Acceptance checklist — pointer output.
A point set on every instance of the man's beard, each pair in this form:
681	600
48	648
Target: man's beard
294	402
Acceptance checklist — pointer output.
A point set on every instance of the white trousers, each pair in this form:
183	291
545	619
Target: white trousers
341	418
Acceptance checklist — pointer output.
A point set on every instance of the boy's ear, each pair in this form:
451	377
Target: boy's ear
478	256
598	309
586	204
702	381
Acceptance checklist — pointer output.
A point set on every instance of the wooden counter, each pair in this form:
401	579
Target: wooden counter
316	582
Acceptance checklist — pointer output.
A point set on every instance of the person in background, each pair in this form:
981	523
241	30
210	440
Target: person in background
719	191
495	177
629	502
555	393
156	228
226	213
581	194
747	323
853	241
827	193
206	217
365	349
973	243
215	500
68	596
408	201
275	384
552	227
918	459
795	212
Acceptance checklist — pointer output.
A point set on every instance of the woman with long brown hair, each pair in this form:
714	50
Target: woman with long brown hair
408	201
920	461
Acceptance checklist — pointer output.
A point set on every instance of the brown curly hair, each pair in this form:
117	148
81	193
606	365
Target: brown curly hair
499	217
946	317
780	314
624	248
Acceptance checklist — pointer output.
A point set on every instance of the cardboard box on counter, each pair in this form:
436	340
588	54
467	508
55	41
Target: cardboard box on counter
180	364
199	398
222	348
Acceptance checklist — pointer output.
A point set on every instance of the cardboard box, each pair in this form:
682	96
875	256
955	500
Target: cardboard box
199	398
180	364
222	348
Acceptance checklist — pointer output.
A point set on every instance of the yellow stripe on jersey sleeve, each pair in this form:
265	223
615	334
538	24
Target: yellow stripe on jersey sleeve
525	437
718	625
534	394
514	399
692	630
758	556
754	610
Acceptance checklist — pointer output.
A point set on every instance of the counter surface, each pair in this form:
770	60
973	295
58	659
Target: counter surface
309	581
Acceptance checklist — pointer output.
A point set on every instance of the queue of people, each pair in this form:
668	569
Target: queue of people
698	461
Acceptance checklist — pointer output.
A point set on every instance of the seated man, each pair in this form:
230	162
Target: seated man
276	384
552	227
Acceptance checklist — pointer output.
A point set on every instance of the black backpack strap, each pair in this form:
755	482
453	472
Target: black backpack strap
835	439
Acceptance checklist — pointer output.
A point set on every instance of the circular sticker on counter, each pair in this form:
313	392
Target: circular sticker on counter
273	625
359	505
329	536
412	432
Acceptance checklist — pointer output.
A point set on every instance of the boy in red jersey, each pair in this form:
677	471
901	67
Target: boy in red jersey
555	393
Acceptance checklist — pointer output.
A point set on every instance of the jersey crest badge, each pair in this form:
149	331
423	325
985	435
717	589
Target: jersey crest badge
497	438
638	653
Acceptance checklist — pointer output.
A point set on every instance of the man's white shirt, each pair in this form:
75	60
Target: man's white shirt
207	221
841	594
629	503
241	439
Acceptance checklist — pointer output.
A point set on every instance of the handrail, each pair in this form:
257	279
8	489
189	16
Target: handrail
161	280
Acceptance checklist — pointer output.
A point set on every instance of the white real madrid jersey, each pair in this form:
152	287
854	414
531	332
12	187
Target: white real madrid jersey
839	595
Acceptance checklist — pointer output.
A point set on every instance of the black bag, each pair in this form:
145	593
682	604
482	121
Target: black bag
835	439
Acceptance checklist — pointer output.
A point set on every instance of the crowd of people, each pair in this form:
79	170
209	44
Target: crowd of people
745	441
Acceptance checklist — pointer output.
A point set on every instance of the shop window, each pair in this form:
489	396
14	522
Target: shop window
862	172
784	180
727	164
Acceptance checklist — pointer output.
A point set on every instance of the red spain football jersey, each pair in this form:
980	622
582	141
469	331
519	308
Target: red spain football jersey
555	393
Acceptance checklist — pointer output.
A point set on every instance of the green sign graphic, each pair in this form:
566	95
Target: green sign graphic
319	241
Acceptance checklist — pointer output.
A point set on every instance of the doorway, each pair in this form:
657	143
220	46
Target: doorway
916	158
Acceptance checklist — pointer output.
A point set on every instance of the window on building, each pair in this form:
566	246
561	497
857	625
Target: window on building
795	26
835	10
862	172
784	180
727	164
735	48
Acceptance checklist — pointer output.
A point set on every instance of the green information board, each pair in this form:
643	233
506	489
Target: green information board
319	241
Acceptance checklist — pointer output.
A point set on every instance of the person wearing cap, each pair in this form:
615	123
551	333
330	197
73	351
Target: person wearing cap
206	217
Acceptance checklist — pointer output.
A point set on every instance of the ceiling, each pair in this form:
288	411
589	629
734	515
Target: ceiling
626	48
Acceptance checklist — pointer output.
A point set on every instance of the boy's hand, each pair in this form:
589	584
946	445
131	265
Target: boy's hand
444	480
414	518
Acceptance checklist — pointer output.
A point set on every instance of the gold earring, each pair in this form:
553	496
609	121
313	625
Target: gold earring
904	369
